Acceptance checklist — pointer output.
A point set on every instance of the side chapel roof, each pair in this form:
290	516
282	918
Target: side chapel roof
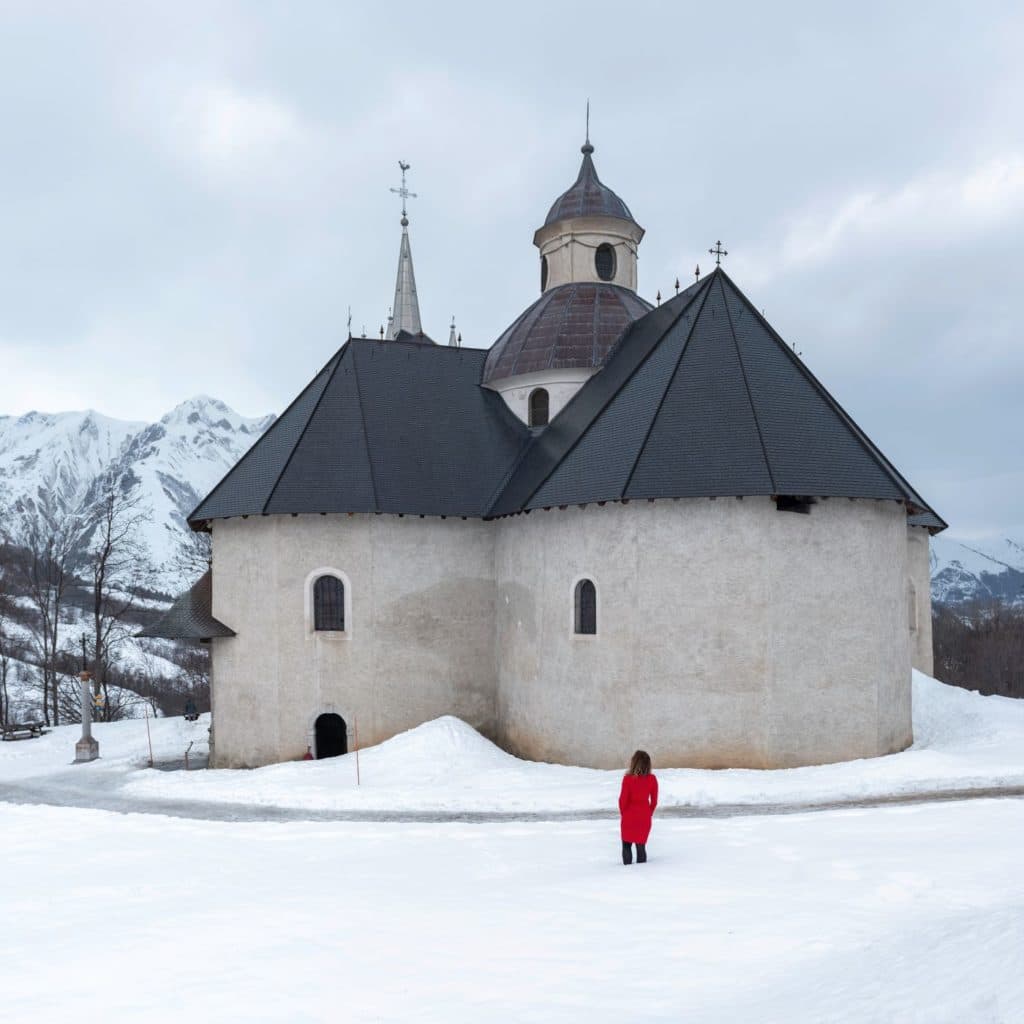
697	398
191	616
386	426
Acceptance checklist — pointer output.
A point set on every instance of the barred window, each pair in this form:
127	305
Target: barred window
539	408
586	607
329	604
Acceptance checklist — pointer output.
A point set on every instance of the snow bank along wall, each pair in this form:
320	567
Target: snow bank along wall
728	633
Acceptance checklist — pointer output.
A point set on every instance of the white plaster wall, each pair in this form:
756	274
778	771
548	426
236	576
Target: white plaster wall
919	575
418	641
561	386
570	245
730	634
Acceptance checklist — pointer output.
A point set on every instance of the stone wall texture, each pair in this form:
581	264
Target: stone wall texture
729	634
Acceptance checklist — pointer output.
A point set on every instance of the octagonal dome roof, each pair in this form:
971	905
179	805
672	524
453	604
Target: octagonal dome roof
572	325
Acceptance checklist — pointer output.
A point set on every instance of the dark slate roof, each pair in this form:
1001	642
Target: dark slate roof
702	398
588	196
418	336
697	398
572	325
386	426
191	616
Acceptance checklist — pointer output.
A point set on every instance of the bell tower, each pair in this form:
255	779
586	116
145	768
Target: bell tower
589	234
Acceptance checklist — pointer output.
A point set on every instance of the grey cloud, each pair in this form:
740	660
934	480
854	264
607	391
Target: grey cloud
194	195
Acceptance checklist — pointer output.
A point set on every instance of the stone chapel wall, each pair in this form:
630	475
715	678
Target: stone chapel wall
418	643
728	633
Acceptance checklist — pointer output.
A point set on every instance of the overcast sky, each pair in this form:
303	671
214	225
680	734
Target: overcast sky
194	194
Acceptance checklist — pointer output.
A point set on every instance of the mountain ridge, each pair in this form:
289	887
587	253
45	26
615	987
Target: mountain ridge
60	460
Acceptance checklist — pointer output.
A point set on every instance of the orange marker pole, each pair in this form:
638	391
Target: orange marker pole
355	736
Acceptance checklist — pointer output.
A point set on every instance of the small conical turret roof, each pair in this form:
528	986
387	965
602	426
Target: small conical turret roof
588	197
405	311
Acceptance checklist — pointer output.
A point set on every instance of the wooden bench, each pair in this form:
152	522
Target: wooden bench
23	731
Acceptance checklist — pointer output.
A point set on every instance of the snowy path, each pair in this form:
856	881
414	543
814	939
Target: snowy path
910	914
67	790
966	746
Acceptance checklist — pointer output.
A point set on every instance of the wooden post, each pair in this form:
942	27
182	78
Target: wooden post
149	738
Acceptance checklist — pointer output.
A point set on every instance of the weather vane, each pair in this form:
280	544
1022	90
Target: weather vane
404	192
718	252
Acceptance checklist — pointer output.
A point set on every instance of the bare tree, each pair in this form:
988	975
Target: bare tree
46	541
117	569
6	656
981	647
193	558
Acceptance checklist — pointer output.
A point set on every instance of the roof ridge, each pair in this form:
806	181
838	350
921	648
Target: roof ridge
305	427
668	386
366	435
858	434
273	426
746	385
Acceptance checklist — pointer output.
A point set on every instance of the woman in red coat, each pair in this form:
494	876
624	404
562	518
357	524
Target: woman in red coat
637	801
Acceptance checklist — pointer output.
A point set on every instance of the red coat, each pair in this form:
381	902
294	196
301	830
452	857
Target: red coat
637	801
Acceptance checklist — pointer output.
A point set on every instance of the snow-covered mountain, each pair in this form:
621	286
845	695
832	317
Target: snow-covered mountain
963	571
54	459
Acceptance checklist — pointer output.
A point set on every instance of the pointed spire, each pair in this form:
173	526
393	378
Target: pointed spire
453	341
405	310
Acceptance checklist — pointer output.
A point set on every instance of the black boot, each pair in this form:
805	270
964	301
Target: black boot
627	853
641	853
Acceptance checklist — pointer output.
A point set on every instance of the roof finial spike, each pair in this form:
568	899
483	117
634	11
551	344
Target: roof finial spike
658	296
587	148
404	192
381	332
452	342
350	321
696	273
677	286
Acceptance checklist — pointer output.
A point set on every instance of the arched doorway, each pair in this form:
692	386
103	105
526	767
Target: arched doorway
331	736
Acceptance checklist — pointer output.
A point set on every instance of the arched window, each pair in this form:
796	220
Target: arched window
538	407
586	608
604	261
543	272
329	604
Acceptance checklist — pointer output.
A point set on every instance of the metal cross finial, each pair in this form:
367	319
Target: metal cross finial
696	273
404	192
718	252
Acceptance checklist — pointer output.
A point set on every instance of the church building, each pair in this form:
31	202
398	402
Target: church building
623	525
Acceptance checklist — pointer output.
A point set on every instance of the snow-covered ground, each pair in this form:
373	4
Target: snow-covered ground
910	914
963	741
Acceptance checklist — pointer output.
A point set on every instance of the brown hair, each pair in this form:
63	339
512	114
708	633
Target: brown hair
640	763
